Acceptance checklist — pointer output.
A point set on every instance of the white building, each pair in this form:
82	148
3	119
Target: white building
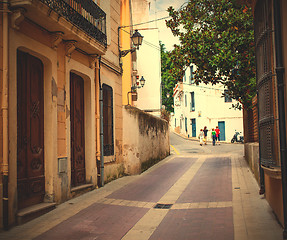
204	105
148	58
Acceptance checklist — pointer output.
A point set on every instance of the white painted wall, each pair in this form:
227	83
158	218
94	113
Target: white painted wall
148	58
210	109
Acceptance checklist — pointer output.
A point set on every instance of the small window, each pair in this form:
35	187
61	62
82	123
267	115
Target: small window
192	103
191	74
185	100
226	96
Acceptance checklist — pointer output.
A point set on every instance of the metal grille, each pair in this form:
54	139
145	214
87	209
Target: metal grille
85	14
108	120
266	96
266	145
263	39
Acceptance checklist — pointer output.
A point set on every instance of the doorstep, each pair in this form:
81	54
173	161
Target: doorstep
27	214
79	190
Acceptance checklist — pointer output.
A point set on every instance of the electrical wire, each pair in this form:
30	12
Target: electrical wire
198	86
151	45
146	42
155	20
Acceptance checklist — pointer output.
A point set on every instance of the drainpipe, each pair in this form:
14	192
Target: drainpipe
101	127
281	106
4	109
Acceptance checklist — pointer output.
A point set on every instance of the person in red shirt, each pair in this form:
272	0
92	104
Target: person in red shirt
217	135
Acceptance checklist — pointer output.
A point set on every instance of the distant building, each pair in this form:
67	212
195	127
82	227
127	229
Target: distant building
204	105
148	58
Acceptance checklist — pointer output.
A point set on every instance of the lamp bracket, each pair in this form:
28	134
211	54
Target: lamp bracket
125	52
134	88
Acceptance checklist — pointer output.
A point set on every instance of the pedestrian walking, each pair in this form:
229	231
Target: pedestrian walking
201	137
213	136
217	130
205	130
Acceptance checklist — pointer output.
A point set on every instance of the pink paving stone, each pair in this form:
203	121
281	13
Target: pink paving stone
196	224
98	221
212	183
151	187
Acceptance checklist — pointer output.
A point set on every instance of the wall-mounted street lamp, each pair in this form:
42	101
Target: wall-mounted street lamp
167	94
137	40
133	91
139	84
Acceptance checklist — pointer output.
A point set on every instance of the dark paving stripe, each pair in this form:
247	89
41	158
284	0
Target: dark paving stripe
196	224
99	221
212	183
151	187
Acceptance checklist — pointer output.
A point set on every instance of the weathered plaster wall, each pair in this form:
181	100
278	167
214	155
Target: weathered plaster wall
146	140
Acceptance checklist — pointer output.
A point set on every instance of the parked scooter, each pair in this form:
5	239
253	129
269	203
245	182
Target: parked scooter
237	137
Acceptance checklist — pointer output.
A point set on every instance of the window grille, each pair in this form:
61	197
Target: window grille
108	120
265	84
85	14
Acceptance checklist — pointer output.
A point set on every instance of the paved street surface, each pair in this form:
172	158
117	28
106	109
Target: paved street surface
197	193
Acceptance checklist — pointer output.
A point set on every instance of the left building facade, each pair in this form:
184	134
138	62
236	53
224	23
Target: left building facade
57	56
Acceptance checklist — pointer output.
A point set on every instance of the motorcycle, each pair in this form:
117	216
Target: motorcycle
237	138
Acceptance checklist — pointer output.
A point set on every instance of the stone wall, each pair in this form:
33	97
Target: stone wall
145	138
251	152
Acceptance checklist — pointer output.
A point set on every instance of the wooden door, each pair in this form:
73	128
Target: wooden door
30	130
193	125
78	171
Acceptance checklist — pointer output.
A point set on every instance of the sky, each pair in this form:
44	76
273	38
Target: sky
158	9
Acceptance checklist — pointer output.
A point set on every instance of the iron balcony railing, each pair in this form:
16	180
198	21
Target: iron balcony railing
85	14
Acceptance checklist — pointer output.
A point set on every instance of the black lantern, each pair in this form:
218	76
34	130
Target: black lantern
142	81
137	39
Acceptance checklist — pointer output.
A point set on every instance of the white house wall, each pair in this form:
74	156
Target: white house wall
148	59
210	109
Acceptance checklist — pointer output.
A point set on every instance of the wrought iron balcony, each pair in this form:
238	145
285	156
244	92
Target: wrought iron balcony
85	14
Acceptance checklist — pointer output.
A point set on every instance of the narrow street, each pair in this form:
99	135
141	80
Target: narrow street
197	193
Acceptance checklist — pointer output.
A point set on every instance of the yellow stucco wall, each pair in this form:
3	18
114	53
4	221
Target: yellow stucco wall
35	40
61	113
125	43
57	66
